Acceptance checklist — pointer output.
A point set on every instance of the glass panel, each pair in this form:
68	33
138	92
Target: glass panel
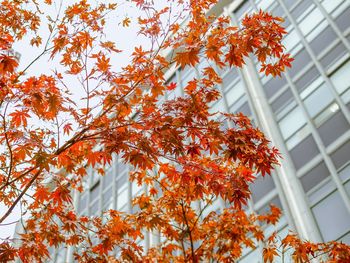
341	78
82	203
332	217
254	256
291	40
311	21
235	93
344	175
261	187
300	61
94	208
333	55
108	178
95	191
301	8
266	209
273	85
135	188
107	195
314	177
309	77
326	114
186	76
330	5
122	167
264	4
122	198
245	109
229	78
292	122
304	152
323	40
243	9
318	100
316	31
122	183
346	96
218	106
282	100
297	137
343	20
341	155
333	128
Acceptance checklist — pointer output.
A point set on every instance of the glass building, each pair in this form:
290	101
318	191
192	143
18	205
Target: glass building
305	113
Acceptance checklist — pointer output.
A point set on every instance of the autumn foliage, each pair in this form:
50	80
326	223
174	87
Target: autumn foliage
185	155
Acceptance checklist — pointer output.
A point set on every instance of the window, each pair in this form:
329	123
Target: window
218	106
317	31
122	182
333	55
122	198
94	208
187	75
344	175
292	122
301	60
243	9
311	21
304	152
326	114
323	40
266	208
281	102
341	78
301	8
314	177
290	40
136	188
107	178
329	6
297	137
107	195
318	100
261	186
341	155
95	191
332	217
82	203
245	109
229	78
343	21
273	85
333	128
309	80
235	93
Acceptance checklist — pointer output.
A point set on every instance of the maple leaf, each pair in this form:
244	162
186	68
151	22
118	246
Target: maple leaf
269	254
67	128
19	118
7	64
171	86
187	58
126	22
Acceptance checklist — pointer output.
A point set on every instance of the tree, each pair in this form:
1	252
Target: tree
177	148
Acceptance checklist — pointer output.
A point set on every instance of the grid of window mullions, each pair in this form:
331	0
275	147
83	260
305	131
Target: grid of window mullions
314	132
321	71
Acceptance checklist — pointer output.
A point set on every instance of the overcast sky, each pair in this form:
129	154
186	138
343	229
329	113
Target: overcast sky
125	38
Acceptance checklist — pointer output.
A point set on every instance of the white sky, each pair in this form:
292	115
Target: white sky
125	38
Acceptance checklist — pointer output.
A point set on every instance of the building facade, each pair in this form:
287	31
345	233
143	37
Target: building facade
305	113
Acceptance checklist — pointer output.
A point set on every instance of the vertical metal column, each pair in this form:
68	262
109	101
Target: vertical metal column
300	211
